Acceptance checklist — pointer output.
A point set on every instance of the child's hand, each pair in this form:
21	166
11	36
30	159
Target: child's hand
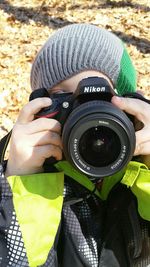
33	141
141	111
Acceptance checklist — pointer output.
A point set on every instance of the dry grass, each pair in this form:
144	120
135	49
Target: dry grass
25	25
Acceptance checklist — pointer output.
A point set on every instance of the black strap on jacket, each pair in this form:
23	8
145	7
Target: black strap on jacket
3	146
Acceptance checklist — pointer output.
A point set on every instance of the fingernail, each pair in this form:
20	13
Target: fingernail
48	101
117	99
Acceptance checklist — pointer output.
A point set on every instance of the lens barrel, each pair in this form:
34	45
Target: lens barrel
98	139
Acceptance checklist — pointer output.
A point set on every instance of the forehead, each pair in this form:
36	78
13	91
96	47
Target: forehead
70	85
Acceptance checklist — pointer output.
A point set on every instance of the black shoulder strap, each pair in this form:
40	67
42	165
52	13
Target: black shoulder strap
3	145
122	211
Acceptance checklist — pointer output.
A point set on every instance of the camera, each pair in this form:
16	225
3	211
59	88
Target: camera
98	138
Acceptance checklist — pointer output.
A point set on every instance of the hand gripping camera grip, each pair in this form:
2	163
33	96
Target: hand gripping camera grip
48	112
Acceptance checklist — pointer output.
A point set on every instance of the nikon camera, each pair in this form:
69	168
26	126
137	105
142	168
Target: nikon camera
98	138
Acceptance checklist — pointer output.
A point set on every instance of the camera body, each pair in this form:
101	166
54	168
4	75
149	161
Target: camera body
98	138
89	89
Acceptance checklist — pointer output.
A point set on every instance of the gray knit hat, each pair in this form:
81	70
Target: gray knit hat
79	47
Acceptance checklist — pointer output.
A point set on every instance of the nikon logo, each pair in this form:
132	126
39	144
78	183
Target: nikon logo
93	89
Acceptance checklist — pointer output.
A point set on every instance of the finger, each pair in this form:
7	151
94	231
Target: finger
32	108
45	138
48	151
143	136
136	107
142	149
43	124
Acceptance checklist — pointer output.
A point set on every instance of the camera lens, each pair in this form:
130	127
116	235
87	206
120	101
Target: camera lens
98	139
99	146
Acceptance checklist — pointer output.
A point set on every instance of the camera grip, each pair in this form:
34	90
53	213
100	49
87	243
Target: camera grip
48	112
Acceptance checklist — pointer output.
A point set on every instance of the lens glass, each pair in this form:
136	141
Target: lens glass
99	146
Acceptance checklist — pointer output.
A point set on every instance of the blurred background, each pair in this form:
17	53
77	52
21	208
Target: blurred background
25	25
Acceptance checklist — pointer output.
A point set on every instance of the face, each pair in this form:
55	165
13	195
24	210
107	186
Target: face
70	85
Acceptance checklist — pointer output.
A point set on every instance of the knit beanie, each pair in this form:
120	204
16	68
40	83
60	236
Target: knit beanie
80	47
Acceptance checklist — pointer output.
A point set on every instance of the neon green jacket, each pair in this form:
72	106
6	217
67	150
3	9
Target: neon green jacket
45	191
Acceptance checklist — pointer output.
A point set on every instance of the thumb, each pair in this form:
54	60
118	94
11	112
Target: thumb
31	108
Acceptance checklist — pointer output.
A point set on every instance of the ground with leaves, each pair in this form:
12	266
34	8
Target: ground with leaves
26	24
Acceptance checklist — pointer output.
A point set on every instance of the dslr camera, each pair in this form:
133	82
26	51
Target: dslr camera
98	138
